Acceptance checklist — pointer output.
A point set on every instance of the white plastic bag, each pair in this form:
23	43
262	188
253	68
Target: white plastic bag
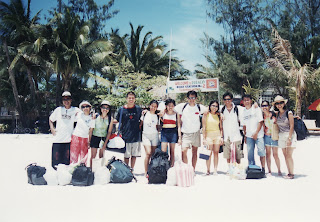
64	176
116	142
51	177
97	163
171	177
101	176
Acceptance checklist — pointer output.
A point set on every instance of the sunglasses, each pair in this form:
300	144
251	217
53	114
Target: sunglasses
264	105
227	99
279	103
87	106
66	99
192	97
106	108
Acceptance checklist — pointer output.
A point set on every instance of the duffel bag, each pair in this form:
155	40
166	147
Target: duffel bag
82	176
120	172
255	172
35	174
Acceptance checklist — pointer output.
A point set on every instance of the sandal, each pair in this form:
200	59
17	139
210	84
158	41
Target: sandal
208	173
289	176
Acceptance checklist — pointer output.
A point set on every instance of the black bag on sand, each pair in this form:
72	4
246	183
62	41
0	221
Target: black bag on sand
120	172
35	174
158	167
82	176
255	172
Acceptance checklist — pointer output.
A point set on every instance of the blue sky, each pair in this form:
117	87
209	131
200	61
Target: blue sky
186	18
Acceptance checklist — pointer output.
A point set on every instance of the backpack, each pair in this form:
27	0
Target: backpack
82	176
299	127
35	174
120	172
200	117
158	167
255	172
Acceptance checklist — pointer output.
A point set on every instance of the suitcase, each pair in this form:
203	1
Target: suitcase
184	175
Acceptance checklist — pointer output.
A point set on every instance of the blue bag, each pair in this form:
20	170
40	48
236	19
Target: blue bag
120	172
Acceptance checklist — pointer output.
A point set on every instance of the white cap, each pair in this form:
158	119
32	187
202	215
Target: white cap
105	102
66	93
84	103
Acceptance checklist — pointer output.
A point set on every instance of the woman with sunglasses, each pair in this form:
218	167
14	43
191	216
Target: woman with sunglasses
270	144
102	130
80	136
212	133
287	136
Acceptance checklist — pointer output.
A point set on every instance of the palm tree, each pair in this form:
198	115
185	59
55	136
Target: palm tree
284	62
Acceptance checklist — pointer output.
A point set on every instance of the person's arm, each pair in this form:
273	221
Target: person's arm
245	133
255	135
52	129
221	130
108	134
291	122
90	136
179	129
204	125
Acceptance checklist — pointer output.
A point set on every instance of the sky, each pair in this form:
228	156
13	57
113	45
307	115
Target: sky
186	18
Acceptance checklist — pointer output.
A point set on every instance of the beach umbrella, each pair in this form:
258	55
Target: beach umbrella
315	106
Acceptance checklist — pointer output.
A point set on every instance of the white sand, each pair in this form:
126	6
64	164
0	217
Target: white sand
213	198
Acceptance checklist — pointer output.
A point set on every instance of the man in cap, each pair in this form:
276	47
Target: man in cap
64	116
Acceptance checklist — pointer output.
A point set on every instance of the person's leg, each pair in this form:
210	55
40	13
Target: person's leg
93	155
172	147
268	158
226	152
146	159
135	152
164	146
289	161
194	156
184	157
208	162
216	148
66	154
127	153
55	155
250	147
126	160
133	161
75	148
261	152
84	150
276	159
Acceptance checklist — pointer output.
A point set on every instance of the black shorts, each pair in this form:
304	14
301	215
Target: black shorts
60	154
95	141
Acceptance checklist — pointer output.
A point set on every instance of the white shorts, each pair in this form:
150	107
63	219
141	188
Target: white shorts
132	150
150	139
282	142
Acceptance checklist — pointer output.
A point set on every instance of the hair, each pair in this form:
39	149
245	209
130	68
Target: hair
214	101
168	101
227	94
192	92
131	93
276	109
154	101
246	96
109	112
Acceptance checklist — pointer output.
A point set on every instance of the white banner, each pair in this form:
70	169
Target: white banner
203	85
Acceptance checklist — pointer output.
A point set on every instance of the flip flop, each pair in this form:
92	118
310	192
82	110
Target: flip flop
289	176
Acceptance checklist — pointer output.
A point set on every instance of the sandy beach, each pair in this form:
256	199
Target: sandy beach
213	198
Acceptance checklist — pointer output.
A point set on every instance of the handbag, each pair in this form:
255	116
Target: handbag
275	132
204	153
116	143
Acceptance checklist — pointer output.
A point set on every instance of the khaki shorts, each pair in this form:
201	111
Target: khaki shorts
282	142
132	150
213	138
150	139
227	150
192	139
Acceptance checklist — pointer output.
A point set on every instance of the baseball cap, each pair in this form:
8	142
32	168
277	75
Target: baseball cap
66	93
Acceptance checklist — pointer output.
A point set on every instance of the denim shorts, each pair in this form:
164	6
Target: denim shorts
169	135
269	142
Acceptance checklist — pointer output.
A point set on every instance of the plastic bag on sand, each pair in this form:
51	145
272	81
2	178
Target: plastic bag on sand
237	171
171	177
64	176
51	177
101	176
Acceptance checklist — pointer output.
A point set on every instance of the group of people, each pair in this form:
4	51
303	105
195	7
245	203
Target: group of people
229	126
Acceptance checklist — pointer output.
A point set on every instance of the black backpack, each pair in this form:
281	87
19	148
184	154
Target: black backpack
120	172
158	167
82	176
299	127
255	172
35	174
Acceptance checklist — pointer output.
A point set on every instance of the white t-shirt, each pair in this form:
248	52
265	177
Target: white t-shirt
84	123
190	117
65	119
251	118
231	129
150	122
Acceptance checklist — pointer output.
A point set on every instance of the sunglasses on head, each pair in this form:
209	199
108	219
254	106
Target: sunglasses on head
282	102
87	106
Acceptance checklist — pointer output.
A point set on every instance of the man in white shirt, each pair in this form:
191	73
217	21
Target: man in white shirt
231	128
64	117
252	127
190	117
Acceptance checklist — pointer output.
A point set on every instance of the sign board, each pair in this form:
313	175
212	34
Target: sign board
203	85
